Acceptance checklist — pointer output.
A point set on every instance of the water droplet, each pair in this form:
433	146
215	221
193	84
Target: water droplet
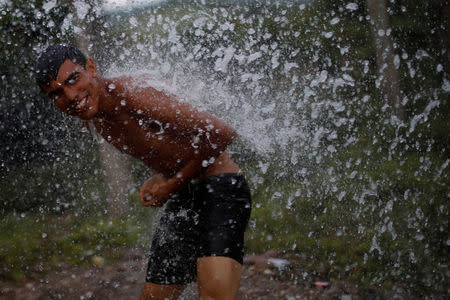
351	6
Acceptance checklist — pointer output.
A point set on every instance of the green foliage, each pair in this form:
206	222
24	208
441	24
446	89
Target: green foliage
31	133
43	242
380	221
50	185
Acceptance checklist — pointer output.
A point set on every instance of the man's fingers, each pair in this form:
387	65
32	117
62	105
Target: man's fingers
146	200
143	196
152	195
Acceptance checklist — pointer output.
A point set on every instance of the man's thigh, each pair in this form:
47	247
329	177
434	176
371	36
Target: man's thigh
218	277
173	254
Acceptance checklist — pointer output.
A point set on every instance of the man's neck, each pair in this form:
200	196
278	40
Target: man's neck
107	97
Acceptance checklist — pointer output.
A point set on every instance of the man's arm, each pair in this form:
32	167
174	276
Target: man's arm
157	190
183	119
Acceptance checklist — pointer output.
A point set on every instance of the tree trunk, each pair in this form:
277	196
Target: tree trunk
388	75
443	34
115	165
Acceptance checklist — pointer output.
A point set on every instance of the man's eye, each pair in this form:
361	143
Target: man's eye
73	79
56	97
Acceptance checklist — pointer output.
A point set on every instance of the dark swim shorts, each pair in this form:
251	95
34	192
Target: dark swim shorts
206	218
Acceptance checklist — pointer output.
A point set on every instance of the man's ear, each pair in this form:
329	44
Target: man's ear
91	67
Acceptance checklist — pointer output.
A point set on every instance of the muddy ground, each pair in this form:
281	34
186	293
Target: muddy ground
263	278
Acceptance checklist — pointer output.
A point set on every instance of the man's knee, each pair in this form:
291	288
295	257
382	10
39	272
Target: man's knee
217	289
152	291
218	278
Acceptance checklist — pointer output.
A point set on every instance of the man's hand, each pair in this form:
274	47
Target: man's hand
156	191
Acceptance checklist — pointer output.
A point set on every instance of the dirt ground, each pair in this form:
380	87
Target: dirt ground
264	277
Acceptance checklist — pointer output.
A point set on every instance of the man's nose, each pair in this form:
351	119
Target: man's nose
70	93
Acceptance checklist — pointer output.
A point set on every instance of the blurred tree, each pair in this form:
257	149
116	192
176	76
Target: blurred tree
115	165
24	27
32	134
388	79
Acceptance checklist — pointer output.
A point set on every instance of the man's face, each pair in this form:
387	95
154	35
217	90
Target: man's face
75	90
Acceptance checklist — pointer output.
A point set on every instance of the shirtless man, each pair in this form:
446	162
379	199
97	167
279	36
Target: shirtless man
200	233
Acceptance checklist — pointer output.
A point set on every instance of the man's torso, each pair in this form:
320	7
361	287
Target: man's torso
158	145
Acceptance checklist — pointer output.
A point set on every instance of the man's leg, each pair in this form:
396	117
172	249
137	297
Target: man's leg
218	278
152	291
172	257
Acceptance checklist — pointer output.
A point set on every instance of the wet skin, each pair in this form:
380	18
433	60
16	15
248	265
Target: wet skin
171	137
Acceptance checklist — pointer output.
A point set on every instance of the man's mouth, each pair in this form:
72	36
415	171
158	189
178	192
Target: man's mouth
81	105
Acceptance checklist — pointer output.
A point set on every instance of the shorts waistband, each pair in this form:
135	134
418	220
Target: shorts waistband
218	177
232	181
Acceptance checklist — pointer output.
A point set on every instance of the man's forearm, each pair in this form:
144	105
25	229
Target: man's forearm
212	142
189	171
194	168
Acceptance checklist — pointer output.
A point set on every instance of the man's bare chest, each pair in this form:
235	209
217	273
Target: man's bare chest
142	138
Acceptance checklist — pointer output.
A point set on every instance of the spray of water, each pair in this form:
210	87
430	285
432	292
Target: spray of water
321	139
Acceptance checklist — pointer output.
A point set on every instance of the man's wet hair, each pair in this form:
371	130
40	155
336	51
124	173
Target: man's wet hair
48	63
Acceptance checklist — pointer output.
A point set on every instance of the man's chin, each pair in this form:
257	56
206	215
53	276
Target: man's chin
85	118
87	115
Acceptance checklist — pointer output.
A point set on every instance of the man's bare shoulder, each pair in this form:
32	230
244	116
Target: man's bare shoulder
146	95
140	82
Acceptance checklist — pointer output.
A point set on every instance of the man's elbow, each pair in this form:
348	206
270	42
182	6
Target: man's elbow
221	138
231	134
228	135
